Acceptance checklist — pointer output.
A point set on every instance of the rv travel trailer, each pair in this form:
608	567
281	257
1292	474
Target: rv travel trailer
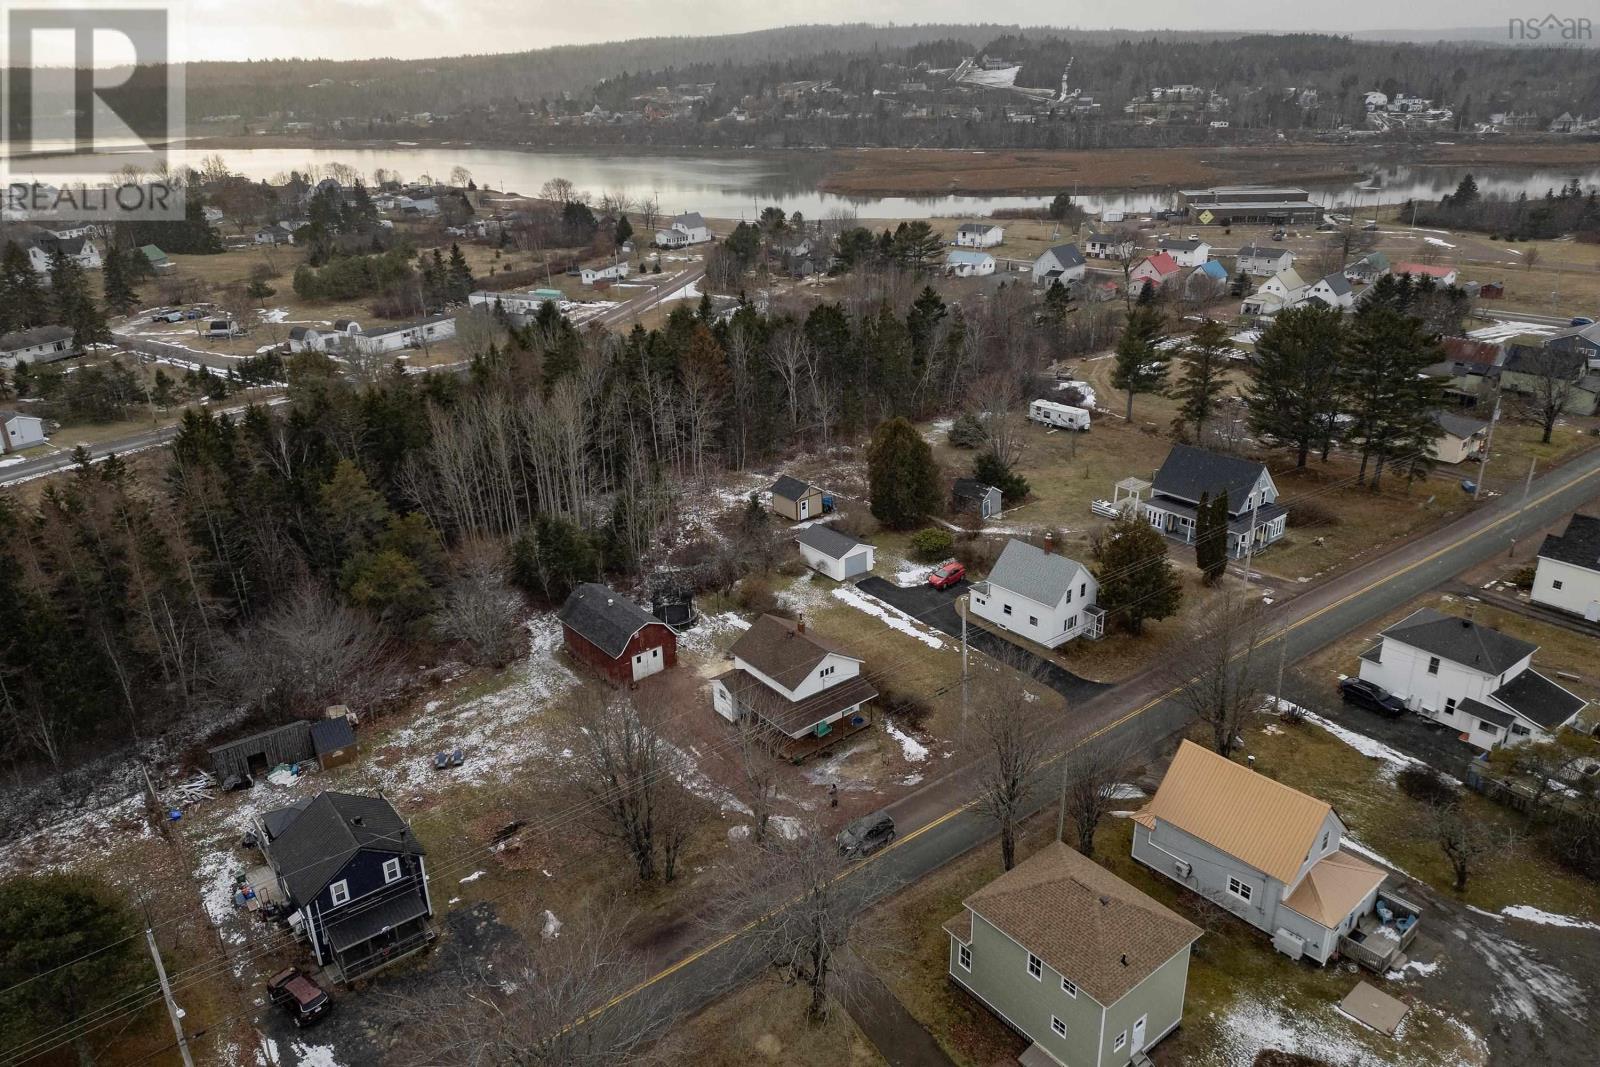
1064	416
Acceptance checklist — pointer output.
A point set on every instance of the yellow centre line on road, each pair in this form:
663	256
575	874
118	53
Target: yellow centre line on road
728	938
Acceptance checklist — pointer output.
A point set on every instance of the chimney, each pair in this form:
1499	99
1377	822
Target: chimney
1049	542
800	624
1124	959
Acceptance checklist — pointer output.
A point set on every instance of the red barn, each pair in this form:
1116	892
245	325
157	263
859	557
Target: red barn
616	637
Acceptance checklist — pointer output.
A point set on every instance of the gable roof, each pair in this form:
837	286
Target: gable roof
1579	545
330	735
1332	888
1162	263
1213	268
1479	355
830	542
689	219
972	489
1189	471
1066	255
1543	362
1459	640
976	227
1457	425
791	488
1538	699
1251	817
605	619
38	335
1086	923
1337	282
1041	576
313	845
1173	244
782	651
1289	278
152	253
962	256
1262	252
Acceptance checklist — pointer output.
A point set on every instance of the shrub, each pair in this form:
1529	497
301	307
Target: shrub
967	432
1523	578
1310	514
1427	785
978	553
905	708
932	544
755	595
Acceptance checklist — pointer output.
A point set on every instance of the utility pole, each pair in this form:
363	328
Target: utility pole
1527	486
961	609
1250	544
173	1010
1283	651
1488	447
1061	809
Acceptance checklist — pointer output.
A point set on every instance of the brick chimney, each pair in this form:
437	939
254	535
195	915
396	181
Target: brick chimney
1049	542
800	624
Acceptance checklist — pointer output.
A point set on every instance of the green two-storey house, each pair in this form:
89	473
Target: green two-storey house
1088	968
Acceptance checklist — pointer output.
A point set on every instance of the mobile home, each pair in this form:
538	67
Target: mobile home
1064	416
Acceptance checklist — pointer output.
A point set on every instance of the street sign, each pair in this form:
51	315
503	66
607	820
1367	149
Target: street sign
1206	217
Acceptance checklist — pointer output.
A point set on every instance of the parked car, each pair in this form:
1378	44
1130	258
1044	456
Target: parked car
194	313
303	999
867	834
947	574
1582	320
1363	693
167	316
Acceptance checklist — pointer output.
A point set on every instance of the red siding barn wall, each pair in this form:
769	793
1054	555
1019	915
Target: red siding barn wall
620	670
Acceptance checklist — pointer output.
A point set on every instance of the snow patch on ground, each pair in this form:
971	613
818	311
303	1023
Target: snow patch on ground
1392	758
688	292
314	1055
1323	1033
552	926
910	575
913	750
473	877
1436	241
1528	987
787	827
1417	967
1502	331
1528	913
892	616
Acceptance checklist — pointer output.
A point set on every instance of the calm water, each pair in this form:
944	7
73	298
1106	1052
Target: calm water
731	185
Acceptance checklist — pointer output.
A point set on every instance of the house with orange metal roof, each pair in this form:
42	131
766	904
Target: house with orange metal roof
1272	856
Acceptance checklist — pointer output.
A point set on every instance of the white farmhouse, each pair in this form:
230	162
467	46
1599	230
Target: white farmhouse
1190	253
791	681
687	229
613	273
1334	291
979	235
1039	595
1469	677
1568	574
1280	292
836	554
80	250
42	344
1063	263
1263	261
964	264
1108	246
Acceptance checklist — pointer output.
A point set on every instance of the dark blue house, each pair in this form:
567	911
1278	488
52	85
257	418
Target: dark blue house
354	875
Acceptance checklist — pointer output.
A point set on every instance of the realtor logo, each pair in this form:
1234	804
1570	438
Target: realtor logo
1551	29
88	89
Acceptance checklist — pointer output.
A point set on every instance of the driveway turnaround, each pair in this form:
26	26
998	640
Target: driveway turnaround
937	608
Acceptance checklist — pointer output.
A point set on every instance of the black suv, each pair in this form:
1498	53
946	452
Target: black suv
866	835
1372	697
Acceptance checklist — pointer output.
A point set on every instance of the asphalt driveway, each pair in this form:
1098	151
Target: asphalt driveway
937	608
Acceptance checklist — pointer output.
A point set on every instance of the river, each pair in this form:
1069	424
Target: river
739	185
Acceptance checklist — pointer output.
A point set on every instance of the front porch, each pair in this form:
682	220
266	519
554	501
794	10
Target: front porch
1380	938
387	948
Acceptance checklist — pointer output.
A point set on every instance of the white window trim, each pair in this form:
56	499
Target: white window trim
339	892
1058	1027
1240	888
1069	988
964	957
391	865
1035	968
1122	1039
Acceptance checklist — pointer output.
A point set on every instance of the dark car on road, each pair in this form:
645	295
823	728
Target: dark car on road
867	834
303	999
1372	697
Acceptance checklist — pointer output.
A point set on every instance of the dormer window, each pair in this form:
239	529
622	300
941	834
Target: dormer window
824	672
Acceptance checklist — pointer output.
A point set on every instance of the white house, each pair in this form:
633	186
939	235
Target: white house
42	344
274	235
1154	270
1469	677
1044	597
1459	438
21	431
964	264
979	235
687	229
1189	473
80	250
1568	574
1280	292
1063	263
426	331
836	554
1334	290
1260	261
1108	246
517	303
791	681
1190	253
613	273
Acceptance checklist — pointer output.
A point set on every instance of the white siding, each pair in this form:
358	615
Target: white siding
1579	592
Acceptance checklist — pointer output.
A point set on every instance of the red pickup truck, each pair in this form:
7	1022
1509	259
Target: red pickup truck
947	574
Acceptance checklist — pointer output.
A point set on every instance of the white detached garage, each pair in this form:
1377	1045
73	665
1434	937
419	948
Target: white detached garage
838	555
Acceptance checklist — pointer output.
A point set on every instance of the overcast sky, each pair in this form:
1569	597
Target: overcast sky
352	29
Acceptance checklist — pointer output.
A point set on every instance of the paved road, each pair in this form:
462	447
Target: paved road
937	608
937	824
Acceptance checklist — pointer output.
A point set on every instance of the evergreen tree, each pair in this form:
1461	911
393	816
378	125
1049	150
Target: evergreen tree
119	295
1391	401
1204	377
624	231
1294	393
73	306
460	282
1211	536
990	469
22	299
1137	581
902	476
915	243
1141	367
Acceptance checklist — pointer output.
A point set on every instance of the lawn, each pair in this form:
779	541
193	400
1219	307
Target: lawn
765	1023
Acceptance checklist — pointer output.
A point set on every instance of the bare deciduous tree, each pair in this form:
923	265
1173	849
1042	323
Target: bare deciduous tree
1007	729
758	769
481	609
1215	671
570	1000
1090	782
1465	841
